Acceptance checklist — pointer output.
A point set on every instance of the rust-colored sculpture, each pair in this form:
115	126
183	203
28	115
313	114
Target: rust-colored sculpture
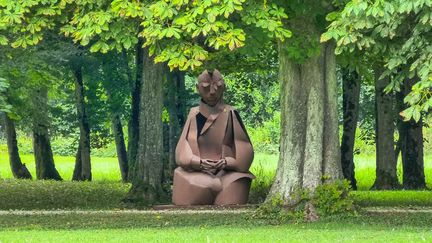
214	152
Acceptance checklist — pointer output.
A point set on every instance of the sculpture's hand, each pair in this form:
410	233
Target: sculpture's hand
220	164
208	166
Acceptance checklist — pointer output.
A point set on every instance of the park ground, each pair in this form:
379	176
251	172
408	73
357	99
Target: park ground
49	211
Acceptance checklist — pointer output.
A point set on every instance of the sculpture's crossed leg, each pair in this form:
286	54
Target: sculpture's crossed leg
197	188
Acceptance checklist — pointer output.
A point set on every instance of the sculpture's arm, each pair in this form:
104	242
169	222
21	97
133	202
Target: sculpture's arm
184	155
238	150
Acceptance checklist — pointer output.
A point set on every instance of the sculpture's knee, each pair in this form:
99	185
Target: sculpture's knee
237	192
194	188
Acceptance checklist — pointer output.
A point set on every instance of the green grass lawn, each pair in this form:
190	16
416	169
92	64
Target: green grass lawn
106	193
164	227
103	168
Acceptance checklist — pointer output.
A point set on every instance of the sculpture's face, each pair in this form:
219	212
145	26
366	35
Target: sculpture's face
211	87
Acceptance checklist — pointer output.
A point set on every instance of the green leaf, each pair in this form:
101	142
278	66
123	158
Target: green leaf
3	40
332	16
416	114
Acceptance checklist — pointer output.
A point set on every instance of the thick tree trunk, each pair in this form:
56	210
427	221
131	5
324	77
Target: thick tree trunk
133	124
411	144
117	130
351	97
386	178
45	168
82	169
19	170
148	172
309	147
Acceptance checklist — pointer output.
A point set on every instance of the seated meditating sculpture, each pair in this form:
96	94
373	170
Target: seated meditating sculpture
214	151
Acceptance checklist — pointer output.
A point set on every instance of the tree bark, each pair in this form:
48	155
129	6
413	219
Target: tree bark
411	144
309	146
133	124
82	171
386	178
19	170
117	130
78	165
45	168
148	172
351	97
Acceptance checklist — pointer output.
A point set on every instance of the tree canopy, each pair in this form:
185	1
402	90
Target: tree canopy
396	33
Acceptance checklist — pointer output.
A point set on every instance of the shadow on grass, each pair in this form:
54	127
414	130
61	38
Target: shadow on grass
118	220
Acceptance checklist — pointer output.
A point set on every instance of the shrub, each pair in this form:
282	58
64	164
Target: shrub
333	198
265	138
327	200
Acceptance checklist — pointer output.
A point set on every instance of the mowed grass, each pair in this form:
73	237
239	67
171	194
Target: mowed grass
169	227
223	234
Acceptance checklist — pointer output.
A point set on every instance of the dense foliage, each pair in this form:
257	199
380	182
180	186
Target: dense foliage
395	33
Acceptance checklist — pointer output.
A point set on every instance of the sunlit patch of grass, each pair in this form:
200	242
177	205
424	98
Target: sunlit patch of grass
103	168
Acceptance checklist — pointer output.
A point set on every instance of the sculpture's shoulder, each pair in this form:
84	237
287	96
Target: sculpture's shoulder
229	108
232	110
193	111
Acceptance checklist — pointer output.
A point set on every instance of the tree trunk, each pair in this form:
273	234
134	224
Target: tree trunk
19	170
117	130
309	146
176	110
351	96
45	168
82	171
78	165
111	83
411	144
133	124
148	172
386	178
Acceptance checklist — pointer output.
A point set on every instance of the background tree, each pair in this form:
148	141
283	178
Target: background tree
351	101
28	96
386	177
115	79
398	31
82	169
19	170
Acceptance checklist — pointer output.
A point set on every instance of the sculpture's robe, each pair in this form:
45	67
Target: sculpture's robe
223	135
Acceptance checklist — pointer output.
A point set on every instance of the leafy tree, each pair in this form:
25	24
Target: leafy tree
397	33
30	79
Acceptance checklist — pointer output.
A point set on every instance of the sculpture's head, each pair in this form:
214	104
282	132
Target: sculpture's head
211	87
